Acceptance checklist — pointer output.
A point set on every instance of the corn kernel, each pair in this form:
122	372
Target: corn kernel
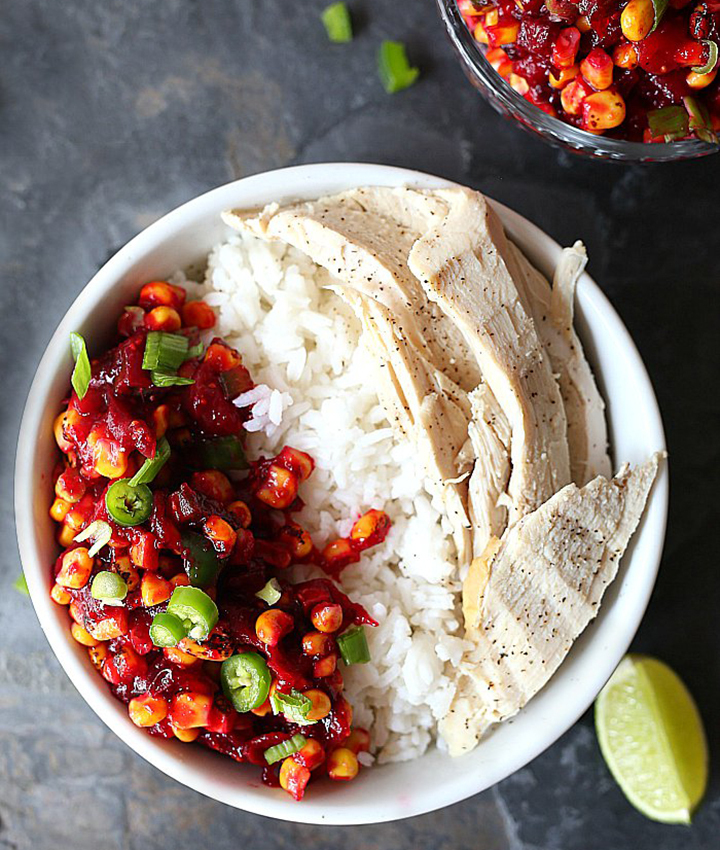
241	512
154	589
70	486
66	536
358	741
327	617
317	643
573	95
97	655
500	61
190	710
297	539
637	19
82	636
603	110
213	484
198	314
76	567
60	595
563	77
107	629
220	533
182	659
272	626
597	69
279	488
519	84
312	754
583	24
293	777
59	509
325	666
159	293
66	418
625	56
166	319
180	580
342	765
161	420
147	710
700	81
321	705
186	735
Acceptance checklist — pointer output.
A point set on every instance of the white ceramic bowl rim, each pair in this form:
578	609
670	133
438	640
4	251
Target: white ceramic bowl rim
393	791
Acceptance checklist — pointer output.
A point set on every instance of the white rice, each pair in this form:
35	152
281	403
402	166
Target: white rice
303	347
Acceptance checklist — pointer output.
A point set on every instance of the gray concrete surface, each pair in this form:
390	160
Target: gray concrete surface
113	112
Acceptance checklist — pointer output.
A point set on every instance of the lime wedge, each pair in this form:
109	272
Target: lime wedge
652	739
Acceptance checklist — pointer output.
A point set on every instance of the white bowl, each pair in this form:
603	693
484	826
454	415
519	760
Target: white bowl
395	791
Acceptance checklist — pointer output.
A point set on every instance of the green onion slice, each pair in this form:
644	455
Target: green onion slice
100	532
128	505
165	351
353	646
659	7
271	592
161	378
245	680
152	465
194	351
220	453
338	24
195	610
712	58
285	748
395	71
700	120
293	706
20	584
109	588
82	373
167	630
670	122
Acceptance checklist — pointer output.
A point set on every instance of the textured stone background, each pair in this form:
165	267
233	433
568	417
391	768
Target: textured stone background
113	112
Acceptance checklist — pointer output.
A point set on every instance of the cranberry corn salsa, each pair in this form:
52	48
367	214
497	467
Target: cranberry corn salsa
643	70
175	550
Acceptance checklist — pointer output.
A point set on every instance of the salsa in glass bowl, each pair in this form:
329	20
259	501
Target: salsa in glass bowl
626	80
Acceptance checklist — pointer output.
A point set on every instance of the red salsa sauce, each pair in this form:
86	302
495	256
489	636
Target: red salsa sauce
214	520
639	70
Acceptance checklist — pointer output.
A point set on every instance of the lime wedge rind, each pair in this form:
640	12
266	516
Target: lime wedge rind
651	737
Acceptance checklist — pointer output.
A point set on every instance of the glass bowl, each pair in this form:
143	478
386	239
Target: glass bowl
508	102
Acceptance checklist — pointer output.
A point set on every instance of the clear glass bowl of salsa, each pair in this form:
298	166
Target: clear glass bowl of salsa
507	100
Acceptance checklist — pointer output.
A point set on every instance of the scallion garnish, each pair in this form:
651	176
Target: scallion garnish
82	372
395	71
712	60
338	24
152	465
195	351
670	122
271	592
164	351
353	646
20	584
100	532
109	588
285	748
700	122
659	7
169	379
293	706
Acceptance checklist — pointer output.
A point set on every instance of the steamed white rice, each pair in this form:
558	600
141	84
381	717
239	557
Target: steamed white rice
303	347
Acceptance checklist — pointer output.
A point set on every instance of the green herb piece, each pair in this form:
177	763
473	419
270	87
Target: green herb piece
167	630
338	25
109	588
353	646
128	505
82	373
20	584
670	122
195	610
712	61
100	532
700	122
150	468
271	593
245	680
293	706
659	7
395	71
285	748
